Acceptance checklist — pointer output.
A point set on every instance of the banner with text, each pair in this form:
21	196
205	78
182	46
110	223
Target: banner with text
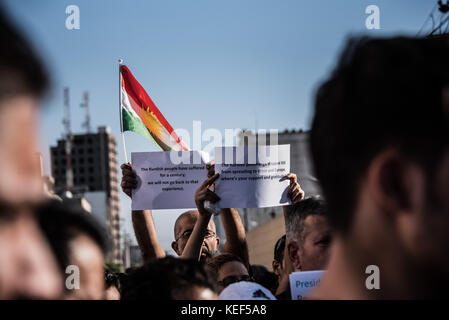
167	179
252	176
302	282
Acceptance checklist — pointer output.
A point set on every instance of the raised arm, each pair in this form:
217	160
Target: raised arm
295	193
233	227
192	250
145	231
235	234
143	223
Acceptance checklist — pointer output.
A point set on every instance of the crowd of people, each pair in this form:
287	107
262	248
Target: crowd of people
380	147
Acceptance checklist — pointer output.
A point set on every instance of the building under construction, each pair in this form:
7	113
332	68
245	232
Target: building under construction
86	166
94	167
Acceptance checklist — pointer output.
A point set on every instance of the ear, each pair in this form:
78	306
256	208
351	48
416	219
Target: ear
174	246
275	265
389	182
218	241
397	185
293	255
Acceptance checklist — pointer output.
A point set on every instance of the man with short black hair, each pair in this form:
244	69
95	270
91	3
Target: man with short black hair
380	145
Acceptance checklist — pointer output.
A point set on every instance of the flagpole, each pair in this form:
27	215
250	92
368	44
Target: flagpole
120	62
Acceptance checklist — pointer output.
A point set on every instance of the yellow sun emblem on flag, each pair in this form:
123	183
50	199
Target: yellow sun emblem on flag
152	123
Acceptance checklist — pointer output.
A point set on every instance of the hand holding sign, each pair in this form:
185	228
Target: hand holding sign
204	193
295	193
129	179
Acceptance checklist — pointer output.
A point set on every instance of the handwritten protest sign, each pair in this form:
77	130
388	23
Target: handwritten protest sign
303	282
165	184
252	176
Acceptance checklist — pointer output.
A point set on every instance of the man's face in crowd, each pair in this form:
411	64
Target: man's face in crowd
311	252
184	229
230	272
87	256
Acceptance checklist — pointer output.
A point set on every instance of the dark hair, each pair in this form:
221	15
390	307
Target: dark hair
166	279
297	214
383	93
21	71
279	248
113	279
265	278
61	223
215	263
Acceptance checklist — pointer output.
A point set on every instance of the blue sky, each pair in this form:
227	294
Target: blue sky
230	64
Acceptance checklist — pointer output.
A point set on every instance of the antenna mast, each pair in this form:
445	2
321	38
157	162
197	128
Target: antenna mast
68	140
85	104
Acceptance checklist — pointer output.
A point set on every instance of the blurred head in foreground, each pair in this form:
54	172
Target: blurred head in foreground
78	244
170	279
27	267
380	145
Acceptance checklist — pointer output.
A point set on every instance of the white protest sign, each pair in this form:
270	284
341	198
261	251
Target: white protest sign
252	176
163	183
303	282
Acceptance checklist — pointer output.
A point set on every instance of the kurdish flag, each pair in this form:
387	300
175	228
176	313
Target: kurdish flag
140	114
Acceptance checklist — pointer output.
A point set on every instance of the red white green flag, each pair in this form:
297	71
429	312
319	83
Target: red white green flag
140	114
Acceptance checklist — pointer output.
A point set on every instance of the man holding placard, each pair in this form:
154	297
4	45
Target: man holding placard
146	232
267	170
250	177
